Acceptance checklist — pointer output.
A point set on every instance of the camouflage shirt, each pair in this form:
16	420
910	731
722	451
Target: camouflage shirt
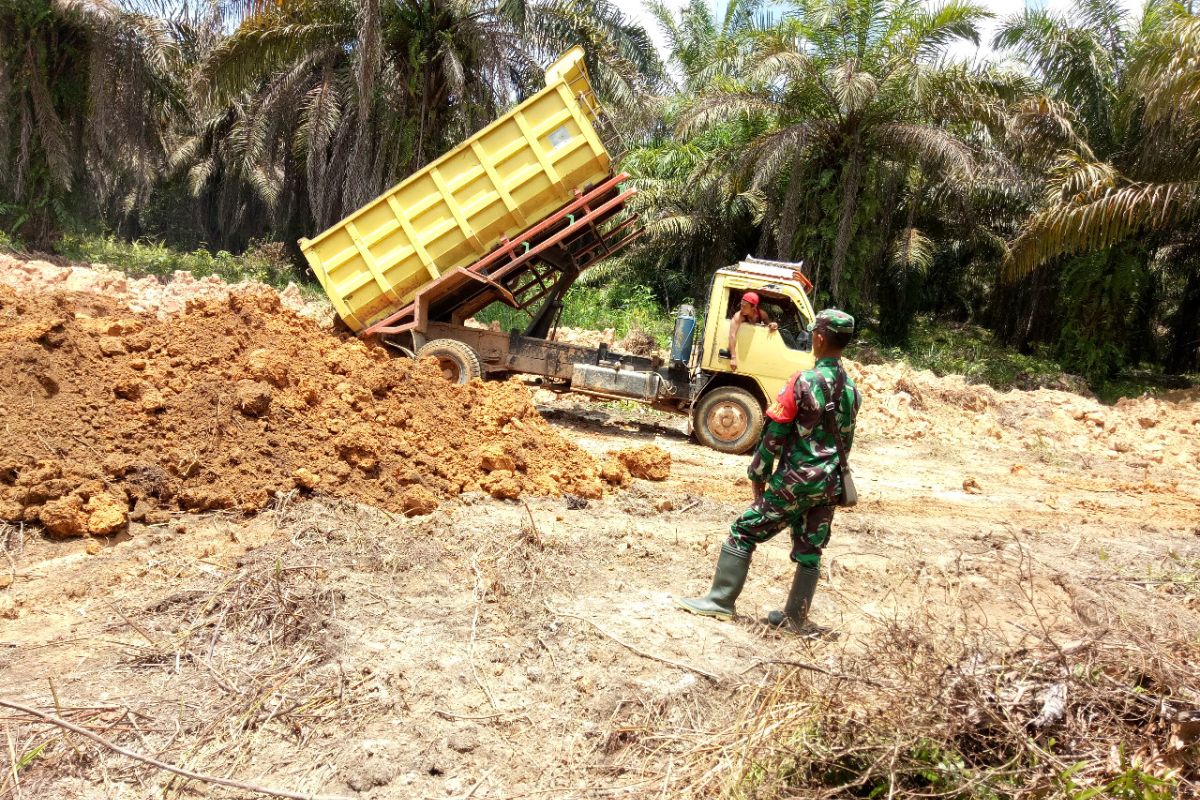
806	453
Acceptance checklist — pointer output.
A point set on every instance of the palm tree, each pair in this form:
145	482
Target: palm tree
1121	206
849	93
313	107
86	95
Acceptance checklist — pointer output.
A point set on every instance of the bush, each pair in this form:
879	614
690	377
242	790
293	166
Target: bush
620	307
265	262
10	243
970	351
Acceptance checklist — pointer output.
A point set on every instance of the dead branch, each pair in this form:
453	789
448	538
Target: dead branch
642	653
100	740
760	662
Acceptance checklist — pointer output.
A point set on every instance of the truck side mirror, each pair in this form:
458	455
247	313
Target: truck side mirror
722	354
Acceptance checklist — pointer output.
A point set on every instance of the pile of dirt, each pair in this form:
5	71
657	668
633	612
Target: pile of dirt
223	405
911	404
144	295
650	462
584	337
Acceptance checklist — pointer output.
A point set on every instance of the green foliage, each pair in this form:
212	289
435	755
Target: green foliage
1057	202
265	262
10	243
968	350
1132	783
620	307
1095	294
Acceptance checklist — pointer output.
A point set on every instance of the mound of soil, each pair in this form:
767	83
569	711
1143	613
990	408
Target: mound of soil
650	462
903	403
223	405
143	295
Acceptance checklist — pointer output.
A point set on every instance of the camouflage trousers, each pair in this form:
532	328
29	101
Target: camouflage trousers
808	516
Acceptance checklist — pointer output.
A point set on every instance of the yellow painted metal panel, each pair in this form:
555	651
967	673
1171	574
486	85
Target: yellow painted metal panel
506	177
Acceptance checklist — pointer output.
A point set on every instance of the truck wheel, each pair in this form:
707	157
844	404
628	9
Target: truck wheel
729	419
457	361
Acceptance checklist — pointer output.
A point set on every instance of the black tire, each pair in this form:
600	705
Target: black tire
458	361
729	419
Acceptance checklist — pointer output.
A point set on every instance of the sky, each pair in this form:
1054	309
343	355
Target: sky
964	51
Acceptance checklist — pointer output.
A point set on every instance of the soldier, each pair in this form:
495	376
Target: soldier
797	477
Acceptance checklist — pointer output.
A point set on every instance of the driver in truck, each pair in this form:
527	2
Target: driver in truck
748	312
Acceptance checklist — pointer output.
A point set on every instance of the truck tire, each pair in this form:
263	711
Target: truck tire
729	419
458	361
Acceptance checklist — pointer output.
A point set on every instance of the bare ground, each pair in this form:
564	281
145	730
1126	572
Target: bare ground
511	649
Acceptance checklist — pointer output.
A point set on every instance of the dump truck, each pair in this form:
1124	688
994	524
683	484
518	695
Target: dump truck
514	215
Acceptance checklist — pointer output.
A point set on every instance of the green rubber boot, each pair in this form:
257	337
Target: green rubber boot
727	584
799	601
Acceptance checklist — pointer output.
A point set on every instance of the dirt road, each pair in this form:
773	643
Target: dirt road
498	649
530	648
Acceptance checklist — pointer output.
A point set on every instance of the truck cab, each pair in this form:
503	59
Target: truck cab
728	407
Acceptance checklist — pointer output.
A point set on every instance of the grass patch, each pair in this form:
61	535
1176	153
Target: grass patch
972	351
10	243
967	350
265	262
620	307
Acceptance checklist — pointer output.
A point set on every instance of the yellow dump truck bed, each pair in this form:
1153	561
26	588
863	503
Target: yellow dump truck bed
454	211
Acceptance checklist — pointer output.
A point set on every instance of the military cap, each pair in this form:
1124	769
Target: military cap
834	321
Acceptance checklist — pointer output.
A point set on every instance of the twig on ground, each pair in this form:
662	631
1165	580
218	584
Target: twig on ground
471	792
677	664
480	592
132	624
759	662
12	755
100	740
452	716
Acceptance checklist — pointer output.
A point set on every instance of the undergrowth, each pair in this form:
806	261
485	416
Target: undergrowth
952	710
265	262
620	307
967	350
972	351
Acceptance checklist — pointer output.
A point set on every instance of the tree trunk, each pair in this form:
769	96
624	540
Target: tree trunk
841	245
877	267
1184	352
791	206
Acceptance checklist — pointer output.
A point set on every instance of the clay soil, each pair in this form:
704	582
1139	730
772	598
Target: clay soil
302	631
234	402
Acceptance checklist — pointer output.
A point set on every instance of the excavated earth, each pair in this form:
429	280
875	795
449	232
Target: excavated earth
442	597
235	401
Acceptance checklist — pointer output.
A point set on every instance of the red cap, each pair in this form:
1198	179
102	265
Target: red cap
751	298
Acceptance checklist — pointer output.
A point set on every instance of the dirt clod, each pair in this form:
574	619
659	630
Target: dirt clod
64	517
492	457
253	398
106	514
464	740
614	472
649	462
501	484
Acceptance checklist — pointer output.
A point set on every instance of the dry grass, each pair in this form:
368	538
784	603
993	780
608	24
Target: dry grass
249	655
947	709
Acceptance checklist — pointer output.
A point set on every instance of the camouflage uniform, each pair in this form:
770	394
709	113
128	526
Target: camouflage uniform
797	482
796	464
